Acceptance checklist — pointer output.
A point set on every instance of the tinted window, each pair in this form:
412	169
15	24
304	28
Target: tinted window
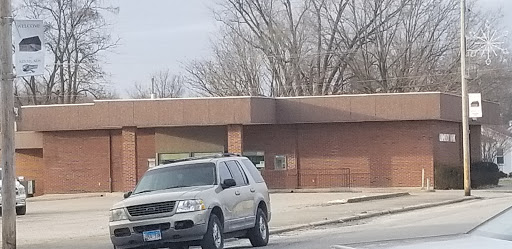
189	175
237	174
246	180
224	172
253	171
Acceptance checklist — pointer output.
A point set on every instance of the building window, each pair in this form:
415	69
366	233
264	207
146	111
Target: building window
499	157
280	163
169	157
256	157
204	154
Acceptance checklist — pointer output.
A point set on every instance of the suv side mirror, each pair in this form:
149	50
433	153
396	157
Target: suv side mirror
127	194
228	183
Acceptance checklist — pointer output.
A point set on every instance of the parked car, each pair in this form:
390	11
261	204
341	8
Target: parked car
194	202
21	197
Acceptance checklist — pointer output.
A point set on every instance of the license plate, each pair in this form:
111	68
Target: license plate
152	235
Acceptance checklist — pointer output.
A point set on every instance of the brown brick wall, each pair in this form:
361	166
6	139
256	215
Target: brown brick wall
116	160
235	139
447	153
384	154
129	136
371	154
145	150
274	140
29	163
76	161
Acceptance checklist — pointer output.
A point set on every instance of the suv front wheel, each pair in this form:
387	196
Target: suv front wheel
259	234
214	238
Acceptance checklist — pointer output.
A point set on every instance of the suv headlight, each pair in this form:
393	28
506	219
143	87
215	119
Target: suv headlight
22	190
118	214
190	206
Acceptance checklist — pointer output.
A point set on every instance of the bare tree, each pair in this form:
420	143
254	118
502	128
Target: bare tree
235	69
495	138
77	36
306	45
163	84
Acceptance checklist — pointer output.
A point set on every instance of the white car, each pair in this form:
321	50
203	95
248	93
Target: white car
21	197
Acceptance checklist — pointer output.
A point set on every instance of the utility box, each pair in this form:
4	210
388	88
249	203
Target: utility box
30	187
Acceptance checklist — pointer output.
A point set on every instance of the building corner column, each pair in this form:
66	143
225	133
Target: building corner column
129	135
475	141
235	139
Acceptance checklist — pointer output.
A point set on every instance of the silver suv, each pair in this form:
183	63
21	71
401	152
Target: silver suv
194	202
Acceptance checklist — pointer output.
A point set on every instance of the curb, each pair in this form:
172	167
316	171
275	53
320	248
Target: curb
323	190
369	215
64	197
376	197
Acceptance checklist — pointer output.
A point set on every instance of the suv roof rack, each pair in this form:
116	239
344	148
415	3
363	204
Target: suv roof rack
220	155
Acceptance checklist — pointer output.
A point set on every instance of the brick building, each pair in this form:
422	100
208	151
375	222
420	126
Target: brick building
382	140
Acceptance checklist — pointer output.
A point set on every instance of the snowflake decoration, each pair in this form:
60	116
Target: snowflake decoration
488	43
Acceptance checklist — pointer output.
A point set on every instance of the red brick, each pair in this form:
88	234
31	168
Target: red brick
30	164
129	136
76	161
235	139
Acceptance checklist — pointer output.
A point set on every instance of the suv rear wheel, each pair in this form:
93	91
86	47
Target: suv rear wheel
21	210
214	237
258	235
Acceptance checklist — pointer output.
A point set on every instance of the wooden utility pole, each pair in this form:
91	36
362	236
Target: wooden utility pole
465	110
7	106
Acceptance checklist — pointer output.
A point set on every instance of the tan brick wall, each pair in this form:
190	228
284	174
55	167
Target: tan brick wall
30	164
129	136
145	150
235	139
76	161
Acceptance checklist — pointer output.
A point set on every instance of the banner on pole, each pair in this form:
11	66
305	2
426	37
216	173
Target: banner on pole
475	105
29	52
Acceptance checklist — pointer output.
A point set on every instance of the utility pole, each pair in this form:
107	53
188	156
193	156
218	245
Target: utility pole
465	110
7	102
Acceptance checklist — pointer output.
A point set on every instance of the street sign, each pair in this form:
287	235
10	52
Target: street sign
475	105
29	52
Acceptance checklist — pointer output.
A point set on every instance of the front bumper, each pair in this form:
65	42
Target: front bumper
20	201
128	233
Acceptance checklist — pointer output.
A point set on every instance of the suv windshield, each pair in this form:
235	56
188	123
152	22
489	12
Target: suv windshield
189	175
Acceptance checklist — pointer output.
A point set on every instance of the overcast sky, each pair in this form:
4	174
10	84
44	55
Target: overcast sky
160	34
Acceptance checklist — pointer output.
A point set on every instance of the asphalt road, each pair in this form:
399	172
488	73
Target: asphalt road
81	224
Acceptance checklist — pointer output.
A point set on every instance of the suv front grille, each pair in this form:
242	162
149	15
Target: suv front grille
161	227
153	208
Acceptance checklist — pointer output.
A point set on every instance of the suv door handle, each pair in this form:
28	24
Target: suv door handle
237	192
253	190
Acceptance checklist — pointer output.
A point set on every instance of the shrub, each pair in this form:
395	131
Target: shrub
482	174
447	177
502	174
